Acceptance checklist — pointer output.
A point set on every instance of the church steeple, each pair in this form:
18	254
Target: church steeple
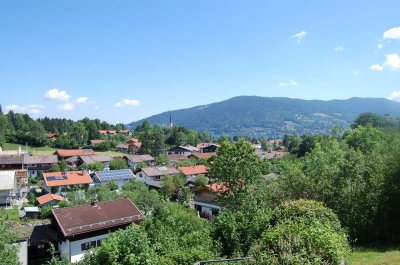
171	124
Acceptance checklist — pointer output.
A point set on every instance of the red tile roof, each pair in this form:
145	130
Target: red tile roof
71	178
194	170
97	141
217	187
103	215
202	145
74	152
48	198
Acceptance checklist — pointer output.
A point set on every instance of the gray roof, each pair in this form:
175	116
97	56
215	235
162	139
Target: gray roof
160	171
176	157
72	159
123	146
140	158
51	159
8	181
11	160
96	158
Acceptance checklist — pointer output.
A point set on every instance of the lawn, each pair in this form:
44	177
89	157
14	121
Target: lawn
375	256
46	150
10	214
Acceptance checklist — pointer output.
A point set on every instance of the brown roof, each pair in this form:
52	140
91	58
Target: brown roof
74	152
123	146
48	198
140	158
96	158
87	218
160	171
96	141
204	155
11	160
55	179
202	145
176	157
52	135
51	159
194	170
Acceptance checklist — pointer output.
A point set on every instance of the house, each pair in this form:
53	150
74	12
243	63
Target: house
96	142
61	180
175	158
73	162
183	150
11	162
78	229
107	132
120	177
52	136
192	172
135	160
207	147
8	187
205	199
125	132
67	153
36	165
131	148
87	160
270	155
203	155
153	176
49	199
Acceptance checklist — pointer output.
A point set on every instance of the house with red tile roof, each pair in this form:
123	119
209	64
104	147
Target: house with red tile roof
76	230
205	199
67	153
194	170
49	199
65	180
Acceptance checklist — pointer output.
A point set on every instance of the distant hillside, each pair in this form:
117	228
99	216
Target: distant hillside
260	116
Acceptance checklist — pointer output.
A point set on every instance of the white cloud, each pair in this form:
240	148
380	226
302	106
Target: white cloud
339	48
392	61
395	95
393	33
376	67
56	94
298	37
127	102
30	109
96	107
66	107
289	83
380	45
82	100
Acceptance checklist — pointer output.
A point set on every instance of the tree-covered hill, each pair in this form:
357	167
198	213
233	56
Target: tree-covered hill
261	116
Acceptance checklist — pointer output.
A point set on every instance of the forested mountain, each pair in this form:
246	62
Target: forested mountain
261	116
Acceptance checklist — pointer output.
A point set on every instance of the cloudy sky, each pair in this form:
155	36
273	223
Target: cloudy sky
125	60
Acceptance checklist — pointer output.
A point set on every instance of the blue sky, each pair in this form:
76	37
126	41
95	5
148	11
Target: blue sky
121	61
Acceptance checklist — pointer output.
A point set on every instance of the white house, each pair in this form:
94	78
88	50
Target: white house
153	176
8	187
135	160
38	164
78	229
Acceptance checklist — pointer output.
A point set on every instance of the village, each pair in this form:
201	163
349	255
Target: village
41	191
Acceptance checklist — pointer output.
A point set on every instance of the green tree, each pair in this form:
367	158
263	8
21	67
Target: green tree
118	163
8	251
96	166
238	167
146	200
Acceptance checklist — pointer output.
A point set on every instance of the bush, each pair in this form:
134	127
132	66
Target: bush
303	232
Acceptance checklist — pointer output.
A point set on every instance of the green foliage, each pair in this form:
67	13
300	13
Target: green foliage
8	251
239	168
63	165
147	200
162	159
174	189
96	166
179	236
303	232
118	163
201	181
129	247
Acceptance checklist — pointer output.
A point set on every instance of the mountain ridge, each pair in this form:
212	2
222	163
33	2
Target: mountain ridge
273	116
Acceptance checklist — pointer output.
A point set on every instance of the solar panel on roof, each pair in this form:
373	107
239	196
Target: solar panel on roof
162	169
114	174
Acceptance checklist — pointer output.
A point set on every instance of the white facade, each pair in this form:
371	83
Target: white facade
75	249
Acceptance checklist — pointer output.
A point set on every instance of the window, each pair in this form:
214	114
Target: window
99	242
85	246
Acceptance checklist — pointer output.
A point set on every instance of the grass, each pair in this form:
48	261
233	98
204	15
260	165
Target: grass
46	150
9	214
375	256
